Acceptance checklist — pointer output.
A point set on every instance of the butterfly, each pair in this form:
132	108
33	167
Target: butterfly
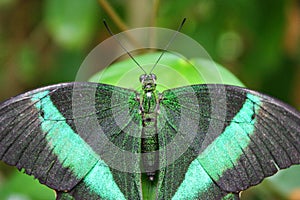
98	141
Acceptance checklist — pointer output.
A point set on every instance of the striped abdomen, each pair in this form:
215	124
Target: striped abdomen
149	110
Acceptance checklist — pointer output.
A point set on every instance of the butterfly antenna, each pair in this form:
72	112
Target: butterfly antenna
167	46
129	54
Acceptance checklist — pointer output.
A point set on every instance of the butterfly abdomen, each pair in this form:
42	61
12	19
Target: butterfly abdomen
149	109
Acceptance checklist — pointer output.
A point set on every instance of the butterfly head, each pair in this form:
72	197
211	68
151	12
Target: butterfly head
148	81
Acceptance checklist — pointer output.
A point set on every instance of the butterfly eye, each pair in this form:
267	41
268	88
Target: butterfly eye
153	76
142	78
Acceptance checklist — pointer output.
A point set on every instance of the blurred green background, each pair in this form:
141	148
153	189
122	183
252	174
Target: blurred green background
43	42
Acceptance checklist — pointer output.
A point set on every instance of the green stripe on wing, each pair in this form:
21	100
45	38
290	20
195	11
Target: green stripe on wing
225	150
221	154
73	152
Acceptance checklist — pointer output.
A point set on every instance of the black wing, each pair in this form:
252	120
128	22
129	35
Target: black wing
234	138
66	134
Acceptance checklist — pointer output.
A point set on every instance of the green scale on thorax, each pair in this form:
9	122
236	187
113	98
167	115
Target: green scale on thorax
149	109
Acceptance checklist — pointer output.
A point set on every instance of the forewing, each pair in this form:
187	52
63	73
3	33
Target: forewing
63	135
242	137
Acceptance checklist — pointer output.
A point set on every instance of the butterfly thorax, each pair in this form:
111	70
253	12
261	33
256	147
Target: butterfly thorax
149	108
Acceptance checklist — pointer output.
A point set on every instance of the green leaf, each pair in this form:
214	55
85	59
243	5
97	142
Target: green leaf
172	71
24	187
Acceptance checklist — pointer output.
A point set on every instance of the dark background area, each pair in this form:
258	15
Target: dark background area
43	42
